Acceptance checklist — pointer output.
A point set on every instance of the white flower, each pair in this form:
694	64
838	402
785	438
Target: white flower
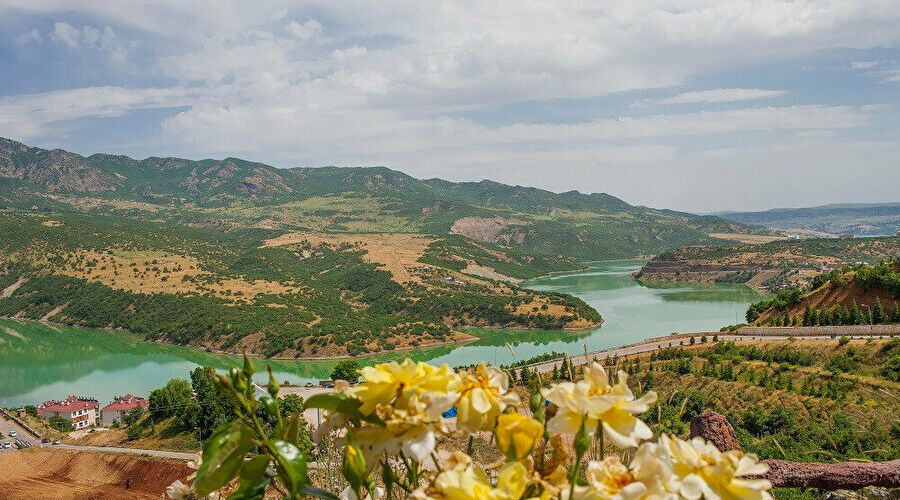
180	491
700	469
594	400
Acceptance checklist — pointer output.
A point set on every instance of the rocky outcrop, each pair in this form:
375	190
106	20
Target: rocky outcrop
53	171
491	230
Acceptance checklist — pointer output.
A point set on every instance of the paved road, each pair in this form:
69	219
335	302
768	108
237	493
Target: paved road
673	340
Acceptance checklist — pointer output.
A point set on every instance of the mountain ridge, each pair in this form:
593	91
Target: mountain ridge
581	226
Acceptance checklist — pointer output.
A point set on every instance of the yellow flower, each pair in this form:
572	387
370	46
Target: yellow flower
468	482
393	383
595	400
700	469
517	435
413	429
610	479
482	397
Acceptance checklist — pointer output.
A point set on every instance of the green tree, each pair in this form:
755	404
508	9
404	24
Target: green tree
878	312
133	415
171	399
895	313
60	424
347	369
212	407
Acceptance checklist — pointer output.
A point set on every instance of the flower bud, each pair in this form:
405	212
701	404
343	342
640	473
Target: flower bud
273	384
517	435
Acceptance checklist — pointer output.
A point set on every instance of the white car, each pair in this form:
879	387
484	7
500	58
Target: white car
13	434
6	445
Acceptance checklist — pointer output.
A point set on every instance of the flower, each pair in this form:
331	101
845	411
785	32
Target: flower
610	479
594	400
517	435
349	494
179	491
412	429
410	398
482	397
468	482
392	383
700	469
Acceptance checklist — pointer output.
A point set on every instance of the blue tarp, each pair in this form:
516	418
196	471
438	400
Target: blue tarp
449	413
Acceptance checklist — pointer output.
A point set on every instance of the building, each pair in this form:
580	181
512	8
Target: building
82	412
115	411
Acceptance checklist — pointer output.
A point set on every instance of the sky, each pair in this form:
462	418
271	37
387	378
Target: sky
698	105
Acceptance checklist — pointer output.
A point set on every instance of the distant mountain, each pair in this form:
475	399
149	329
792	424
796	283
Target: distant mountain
234	193
861	219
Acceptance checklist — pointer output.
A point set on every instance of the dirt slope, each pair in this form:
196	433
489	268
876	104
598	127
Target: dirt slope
63	475
828	297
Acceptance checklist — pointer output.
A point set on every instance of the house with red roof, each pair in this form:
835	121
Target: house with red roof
115	411
82	412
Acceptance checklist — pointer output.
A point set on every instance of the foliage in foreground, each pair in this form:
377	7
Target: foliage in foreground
392	421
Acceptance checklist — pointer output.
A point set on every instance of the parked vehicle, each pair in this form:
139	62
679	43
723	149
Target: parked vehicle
13	434
310	384
45	440
6	445
57	441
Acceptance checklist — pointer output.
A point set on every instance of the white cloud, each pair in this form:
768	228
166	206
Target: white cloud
67	34
715	95
863	64
304	31
31	115
31	36
349	52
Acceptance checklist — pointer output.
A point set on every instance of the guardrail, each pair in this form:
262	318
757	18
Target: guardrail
836	331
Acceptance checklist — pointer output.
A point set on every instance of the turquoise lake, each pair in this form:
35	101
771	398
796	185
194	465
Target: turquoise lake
40	362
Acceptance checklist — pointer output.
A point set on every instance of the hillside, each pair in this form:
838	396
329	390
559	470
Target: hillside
237	194
768	266
861	219
269	292
858	295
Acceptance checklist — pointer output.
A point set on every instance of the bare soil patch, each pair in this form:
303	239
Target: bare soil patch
396	252
65	474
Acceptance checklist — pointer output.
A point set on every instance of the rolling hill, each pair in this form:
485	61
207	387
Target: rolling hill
861	219
304	262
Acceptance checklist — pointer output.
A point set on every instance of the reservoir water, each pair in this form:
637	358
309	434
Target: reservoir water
40	362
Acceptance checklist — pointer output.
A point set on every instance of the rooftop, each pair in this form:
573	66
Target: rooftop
126	402
70	404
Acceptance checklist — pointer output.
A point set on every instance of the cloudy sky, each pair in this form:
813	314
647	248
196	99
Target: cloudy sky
699	105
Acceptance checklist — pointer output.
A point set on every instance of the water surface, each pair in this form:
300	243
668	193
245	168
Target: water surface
40	362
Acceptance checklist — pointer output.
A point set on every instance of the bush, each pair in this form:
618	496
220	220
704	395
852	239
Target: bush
133	432
843	341
892	369
347	369
60	424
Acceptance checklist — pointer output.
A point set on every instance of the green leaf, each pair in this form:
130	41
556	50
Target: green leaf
312	491
291	465
251	491
252	470
223	455
291	431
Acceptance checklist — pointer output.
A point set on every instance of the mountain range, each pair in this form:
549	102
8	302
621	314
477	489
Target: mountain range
859	219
